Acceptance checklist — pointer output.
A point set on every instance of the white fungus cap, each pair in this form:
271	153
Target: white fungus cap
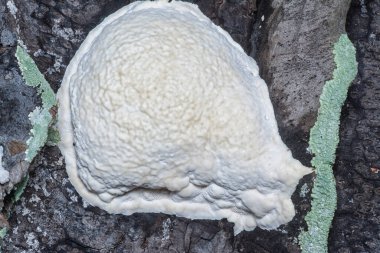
161	111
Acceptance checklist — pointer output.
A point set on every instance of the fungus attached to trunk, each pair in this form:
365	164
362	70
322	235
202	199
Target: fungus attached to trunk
161	111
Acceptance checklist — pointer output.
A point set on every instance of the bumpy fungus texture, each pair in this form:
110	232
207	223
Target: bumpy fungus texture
161	111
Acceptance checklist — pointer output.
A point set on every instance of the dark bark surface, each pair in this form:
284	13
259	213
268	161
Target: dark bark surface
292	42
16	102
356	227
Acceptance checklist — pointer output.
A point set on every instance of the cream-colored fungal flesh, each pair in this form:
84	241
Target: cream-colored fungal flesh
161	111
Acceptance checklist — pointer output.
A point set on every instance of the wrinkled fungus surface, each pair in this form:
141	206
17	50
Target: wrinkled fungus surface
161	111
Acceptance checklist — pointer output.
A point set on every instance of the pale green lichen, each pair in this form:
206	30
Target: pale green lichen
41	117
3	233
53	136
324	138
19	189
15	196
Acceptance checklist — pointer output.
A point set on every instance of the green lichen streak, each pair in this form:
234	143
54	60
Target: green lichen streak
324	138
40	117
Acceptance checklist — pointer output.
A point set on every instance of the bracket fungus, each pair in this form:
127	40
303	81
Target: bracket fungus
161	111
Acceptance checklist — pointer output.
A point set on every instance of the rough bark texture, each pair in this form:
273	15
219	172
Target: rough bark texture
16	102
294	41
293	46
356	227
